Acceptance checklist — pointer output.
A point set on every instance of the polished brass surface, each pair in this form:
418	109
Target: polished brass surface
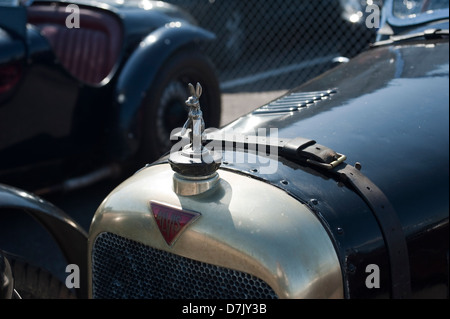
246	225
190	186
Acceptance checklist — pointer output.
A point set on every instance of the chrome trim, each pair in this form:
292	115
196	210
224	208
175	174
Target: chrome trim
246	225
190	186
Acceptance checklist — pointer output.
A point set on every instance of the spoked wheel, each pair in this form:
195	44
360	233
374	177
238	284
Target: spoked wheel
172	111
164	107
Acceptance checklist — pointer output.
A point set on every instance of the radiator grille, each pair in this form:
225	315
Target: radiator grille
125	269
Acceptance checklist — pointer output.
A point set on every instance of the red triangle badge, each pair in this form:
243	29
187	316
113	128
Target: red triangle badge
171	221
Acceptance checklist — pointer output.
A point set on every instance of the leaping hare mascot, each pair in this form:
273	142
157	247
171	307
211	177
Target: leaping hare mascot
195	120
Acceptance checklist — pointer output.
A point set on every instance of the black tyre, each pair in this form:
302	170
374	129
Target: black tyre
32	282
164	107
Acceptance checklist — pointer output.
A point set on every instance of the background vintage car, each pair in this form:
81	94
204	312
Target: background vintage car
79	104
273	45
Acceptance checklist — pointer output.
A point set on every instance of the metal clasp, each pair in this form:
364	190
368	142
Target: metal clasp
341	158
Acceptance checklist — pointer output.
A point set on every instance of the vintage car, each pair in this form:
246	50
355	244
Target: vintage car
75	78
338	189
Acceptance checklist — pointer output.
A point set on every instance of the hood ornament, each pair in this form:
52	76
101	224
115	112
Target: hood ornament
195	166
195	121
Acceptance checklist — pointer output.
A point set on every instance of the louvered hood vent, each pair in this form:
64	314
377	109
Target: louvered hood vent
295	101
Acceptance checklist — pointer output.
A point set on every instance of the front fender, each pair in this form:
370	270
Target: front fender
139	73
70	237
11	49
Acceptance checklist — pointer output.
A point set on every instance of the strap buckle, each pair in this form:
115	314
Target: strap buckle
339	160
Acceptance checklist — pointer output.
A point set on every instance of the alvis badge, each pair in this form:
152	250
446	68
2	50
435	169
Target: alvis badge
171	221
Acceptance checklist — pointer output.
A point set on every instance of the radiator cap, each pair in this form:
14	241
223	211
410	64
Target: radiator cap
195	166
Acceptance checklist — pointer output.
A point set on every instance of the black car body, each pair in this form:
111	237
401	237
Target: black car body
88	86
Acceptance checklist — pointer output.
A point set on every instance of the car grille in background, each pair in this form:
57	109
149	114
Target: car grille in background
295	101
125	269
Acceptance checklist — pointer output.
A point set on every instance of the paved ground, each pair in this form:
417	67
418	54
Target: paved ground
238	104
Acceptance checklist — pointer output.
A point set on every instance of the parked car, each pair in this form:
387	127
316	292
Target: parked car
25	277
90	88
338	189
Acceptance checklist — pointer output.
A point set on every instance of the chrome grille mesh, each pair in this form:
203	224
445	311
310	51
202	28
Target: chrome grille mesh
126	269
